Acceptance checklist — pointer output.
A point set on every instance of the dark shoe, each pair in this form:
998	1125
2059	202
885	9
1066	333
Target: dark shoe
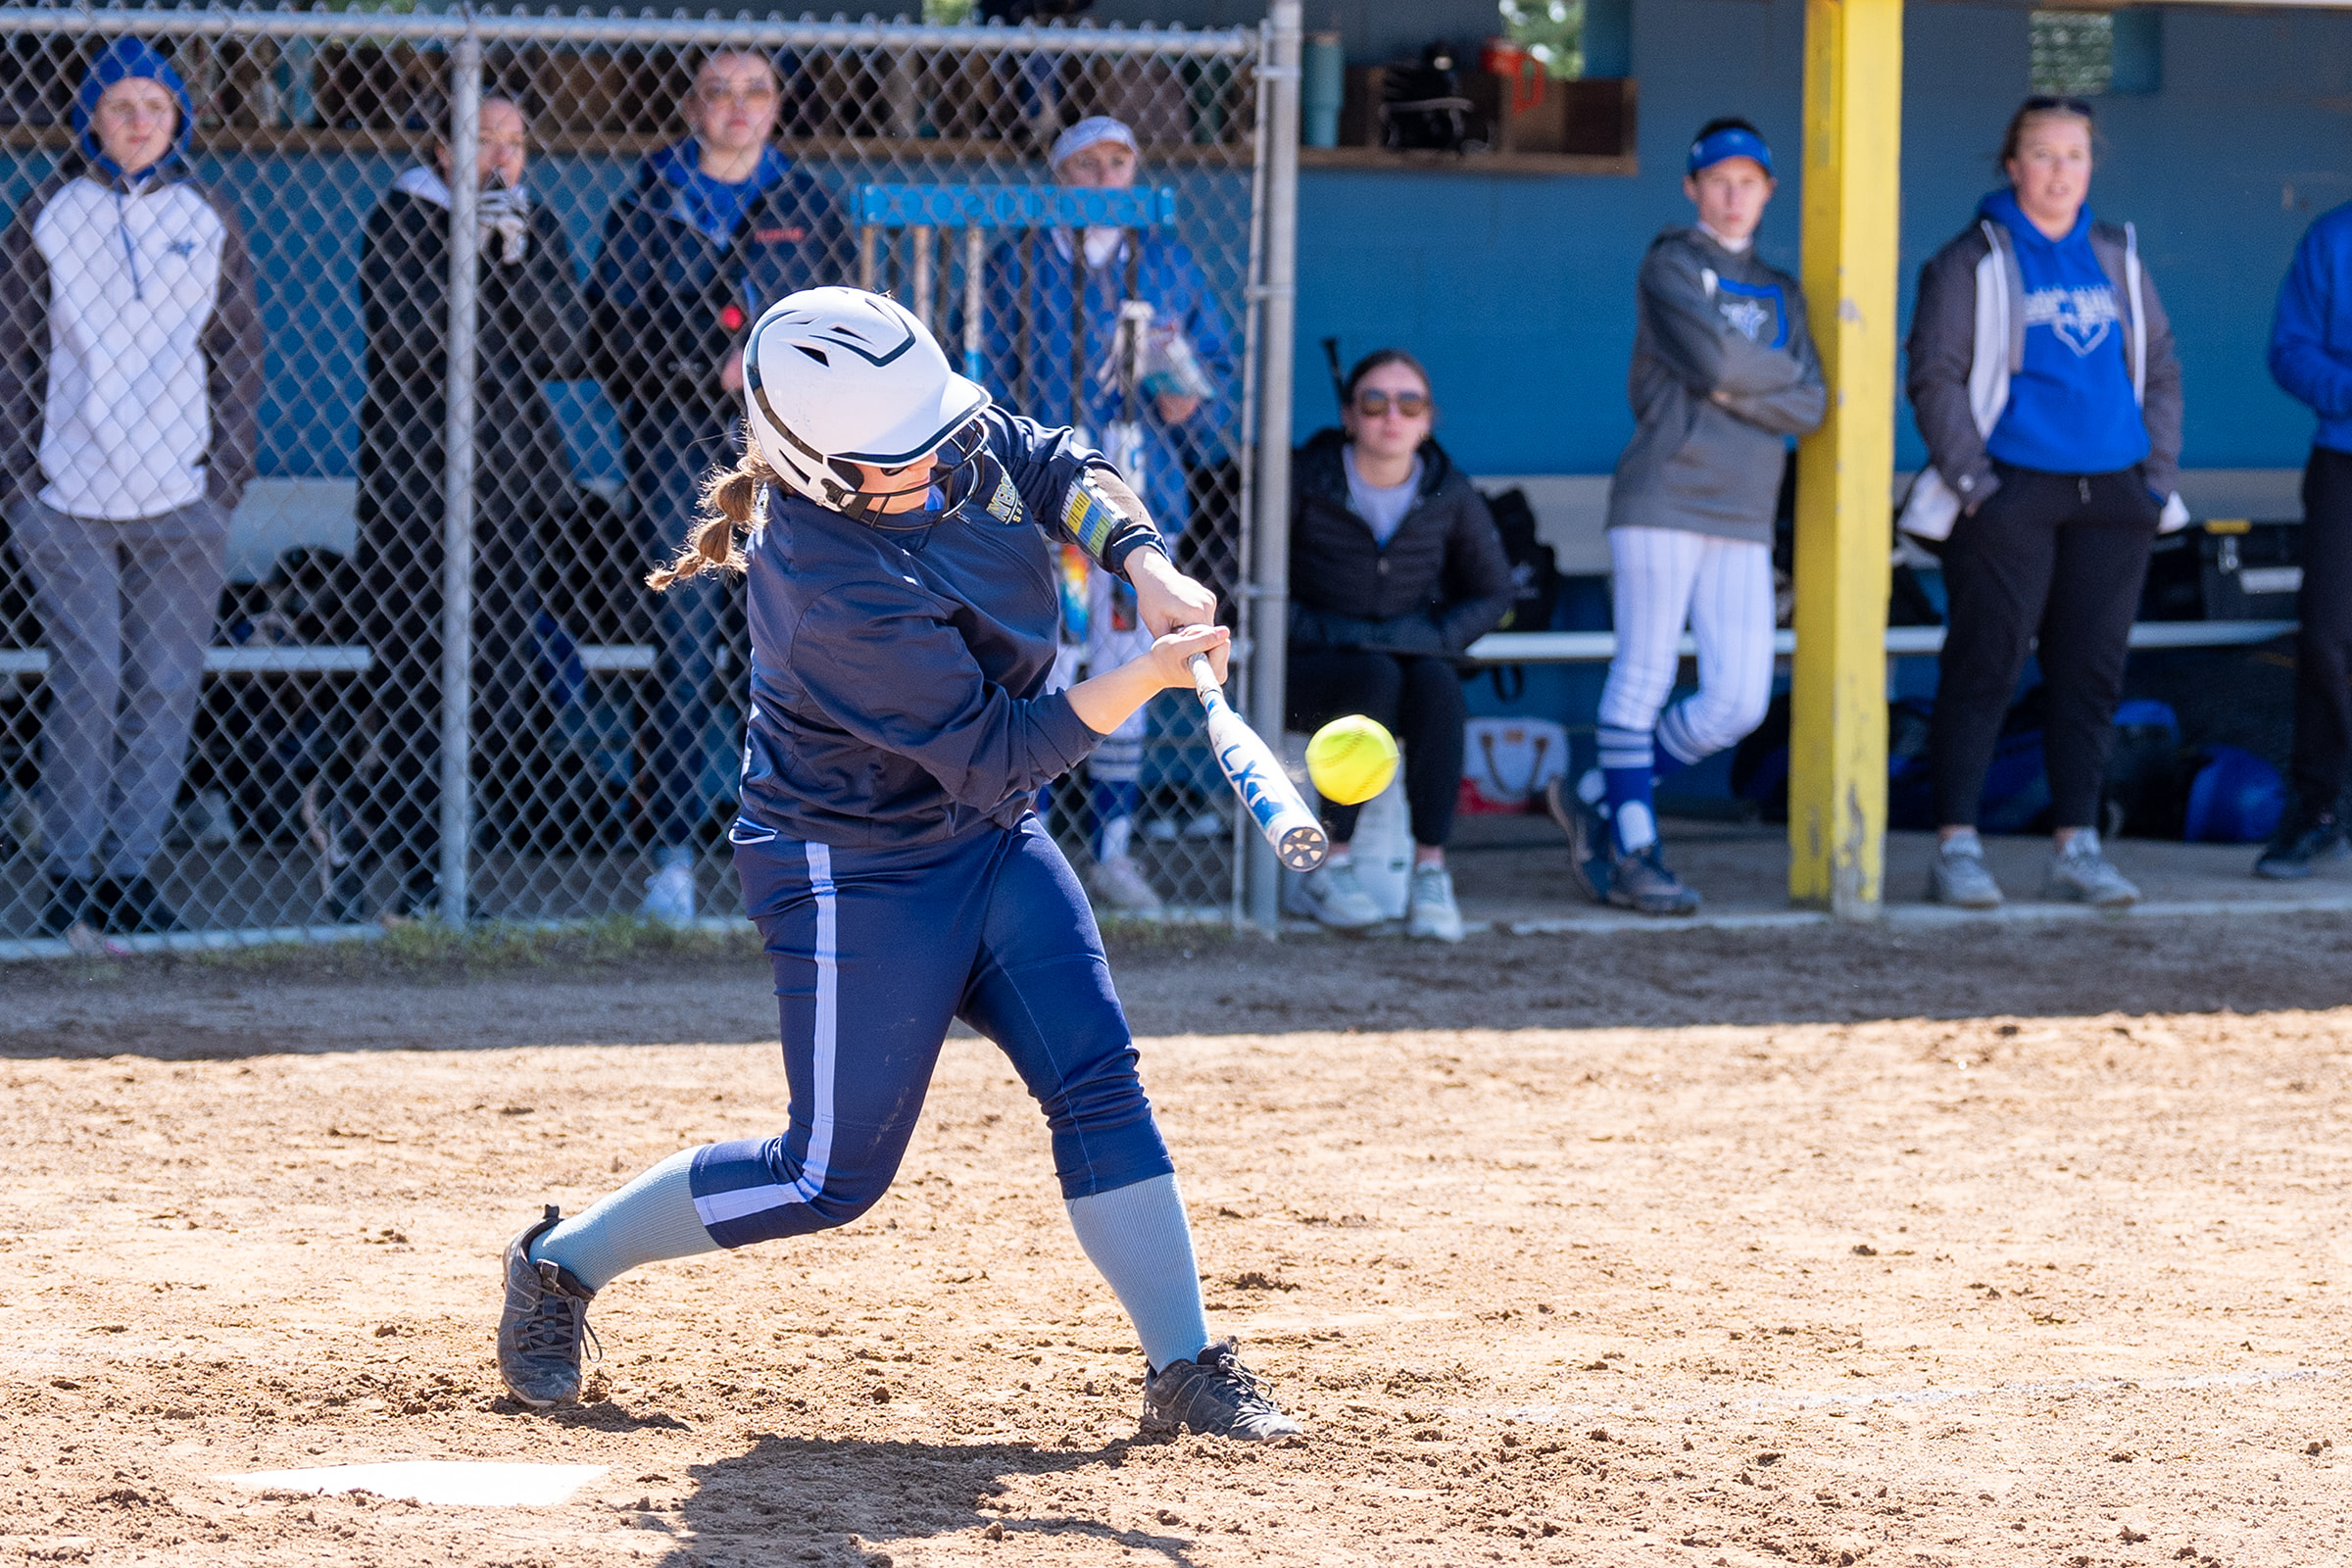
1641	882
419	896
134	907
2304	842
1591	849
69	906
542	1324
1215	1395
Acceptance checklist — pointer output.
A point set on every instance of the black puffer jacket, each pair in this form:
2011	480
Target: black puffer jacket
1440	584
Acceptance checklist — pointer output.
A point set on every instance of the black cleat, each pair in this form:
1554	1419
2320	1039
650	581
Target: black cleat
542	1324
2304	842
134	907
1591	846
1215	1395
1641	882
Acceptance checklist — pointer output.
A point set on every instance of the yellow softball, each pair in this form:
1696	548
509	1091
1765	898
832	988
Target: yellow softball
1351	758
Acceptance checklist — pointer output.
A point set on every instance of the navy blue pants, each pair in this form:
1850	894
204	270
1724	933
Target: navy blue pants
876	952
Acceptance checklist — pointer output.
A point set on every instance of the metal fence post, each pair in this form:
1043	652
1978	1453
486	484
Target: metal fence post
457	484
1270	545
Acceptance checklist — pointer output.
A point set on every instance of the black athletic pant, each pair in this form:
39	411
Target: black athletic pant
2323	667
2058	556
1420	698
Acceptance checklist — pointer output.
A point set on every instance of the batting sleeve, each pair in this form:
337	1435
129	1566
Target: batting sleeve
1074	491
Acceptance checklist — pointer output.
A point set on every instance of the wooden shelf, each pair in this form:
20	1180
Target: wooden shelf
314	139
1423	162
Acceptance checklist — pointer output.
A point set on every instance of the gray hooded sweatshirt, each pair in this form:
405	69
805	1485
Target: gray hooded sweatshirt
1724	372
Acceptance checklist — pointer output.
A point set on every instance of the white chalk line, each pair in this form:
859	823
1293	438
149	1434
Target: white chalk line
1864	1398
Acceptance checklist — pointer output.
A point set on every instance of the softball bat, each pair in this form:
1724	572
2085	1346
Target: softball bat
1256	776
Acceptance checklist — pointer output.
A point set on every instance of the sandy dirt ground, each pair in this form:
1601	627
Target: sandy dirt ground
1999	1245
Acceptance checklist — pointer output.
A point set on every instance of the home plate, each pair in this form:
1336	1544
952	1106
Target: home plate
465	1482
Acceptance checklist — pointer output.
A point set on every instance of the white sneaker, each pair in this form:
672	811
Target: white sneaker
2082	875
1120	883
1432	912
669	896
1339	899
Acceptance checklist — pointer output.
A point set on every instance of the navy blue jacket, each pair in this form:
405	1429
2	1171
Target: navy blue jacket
668	301
899	667
2310	336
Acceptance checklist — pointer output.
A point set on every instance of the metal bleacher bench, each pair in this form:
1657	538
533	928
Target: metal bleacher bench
1598	646
351	658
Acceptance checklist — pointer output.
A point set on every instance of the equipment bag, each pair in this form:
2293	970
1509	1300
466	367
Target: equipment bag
1508	761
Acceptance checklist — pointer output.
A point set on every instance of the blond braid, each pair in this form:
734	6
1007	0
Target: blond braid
728	501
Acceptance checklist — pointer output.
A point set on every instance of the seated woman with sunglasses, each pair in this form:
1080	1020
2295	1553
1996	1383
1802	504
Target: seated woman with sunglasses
1396	568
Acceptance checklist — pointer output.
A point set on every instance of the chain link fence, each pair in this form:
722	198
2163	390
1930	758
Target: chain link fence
304	627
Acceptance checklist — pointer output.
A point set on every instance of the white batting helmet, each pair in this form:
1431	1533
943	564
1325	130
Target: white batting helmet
833	376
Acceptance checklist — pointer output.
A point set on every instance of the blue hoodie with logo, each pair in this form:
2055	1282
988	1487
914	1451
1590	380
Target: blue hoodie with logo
2071	407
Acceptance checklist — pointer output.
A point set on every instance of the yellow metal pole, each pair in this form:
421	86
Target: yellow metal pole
1837	745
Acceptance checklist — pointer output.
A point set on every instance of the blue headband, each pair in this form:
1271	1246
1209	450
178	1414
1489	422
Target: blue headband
1730	142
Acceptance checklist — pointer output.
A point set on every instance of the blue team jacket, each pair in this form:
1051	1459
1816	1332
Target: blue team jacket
668	301
1032	318
899	667
2311	335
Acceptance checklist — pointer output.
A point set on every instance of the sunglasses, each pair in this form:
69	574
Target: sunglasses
1373	405
2043	104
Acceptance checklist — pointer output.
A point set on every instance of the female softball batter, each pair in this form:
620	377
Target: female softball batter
904	614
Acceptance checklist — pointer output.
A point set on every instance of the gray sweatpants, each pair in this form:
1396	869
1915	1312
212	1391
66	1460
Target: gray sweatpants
126	610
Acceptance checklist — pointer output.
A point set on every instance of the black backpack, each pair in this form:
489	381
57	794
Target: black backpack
1535	582
1535	566
1421	105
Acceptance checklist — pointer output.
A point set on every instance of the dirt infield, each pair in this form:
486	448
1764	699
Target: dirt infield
1997	1247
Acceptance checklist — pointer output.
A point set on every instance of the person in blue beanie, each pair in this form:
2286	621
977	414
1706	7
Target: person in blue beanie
1724	376
2311	358
130	385
2046	385
718	227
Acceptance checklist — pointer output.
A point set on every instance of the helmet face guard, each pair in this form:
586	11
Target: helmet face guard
950	458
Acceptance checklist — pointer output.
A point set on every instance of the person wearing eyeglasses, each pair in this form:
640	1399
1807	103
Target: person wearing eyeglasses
1396	570
718	227
1156	398
1724	374
2046	388
529	322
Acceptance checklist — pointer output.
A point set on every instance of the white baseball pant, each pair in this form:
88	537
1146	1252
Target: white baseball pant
1722	588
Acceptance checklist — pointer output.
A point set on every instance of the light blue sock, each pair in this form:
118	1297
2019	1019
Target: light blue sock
1139	1239
650	1219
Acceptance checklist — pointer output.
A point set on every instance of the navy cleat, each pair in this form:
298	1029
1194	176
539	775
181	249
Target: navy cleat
1591	846
2305	840
1215	1395
542	1324
1641	882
